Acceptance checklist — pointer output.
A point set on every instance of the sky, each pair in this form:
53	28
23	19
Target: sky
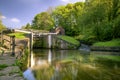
17	13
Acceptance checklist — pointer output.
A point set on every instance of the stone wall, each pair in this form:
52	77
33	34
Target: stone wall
96	48
42	42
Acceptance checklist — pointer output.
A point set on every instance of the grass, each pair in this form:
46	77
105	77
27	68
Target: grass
110	57
112	43
2	66
18	35
69	40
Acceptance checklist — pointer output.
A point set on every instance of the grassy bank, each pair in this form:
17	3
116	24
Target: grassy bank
112	43
110	57
69	40
18	35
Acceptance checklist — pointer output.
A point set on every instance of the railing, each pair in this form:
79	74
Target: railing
7	43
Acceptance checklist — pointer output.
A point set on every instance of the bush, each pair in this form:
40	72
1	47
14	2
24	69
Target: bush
87	39
116	28
103	31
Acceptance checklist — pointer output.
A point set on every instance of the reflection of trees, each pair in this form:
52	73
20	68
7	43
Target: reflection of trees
76	66
44	73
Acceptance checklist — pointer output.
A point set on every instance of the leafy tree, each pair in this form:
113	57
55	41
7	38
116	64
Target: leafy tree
1	25
67	16
28	26
98	19
42	21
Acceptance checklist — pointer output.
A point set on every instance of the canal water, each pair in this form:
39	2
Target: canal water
73	65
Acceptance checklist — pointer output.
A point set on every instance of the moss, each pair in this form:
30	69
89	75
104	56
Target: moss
18	35
2	66
69	39
40	43
1	74
22	62
112	43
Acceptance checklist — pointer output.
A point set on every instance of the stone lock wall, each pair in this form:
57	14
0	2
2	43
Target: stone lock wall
56	43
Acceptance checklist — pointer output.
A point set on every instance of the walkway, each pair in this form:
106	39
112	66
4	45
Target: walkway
8	70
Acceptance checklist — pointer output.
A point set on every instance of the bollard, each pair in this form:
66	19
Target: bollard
13	45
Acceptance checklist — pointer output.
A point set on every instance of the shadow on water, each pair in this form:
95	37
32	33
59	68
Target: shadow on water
73	65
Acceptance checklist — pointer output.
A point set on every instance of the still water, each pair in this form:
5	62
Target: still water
73	65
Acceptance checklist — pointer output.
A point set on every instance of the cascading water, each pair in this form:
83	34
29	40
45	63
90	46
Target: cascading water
84	47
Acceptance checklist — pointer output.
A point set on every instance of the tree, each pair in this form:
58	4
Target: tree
68	17
42	21
1	24
27	26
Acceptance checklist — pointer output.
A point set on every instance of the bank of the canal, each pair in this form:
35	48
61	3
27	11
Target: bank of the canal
112	45
8	68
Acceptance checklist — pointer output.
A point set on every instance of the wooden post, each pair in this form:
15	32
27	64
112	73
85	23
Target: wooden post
10	42
13	45
2	37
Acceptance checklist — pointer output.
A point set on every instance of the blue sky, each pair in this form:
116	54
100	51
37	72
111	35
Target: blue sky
16	13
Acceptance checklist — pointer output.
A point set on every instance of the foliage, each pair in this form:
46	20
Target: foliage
66	16
114	42
69	40
116	27
22	62
27	26
98	18
2	27
103	31
42	21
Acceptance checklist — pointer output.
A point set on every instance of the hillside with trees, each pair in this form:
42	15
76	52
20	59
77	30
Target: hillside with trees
90	21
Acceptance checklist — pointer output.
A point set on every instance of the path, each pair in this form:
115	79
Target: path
10	72
8	69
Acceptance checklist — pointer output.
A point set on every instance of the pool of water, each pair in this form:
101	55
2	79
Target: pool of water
73	65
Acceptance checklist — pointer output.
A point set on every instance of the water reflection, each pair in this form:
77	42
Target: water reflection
74	65
29	75
49	56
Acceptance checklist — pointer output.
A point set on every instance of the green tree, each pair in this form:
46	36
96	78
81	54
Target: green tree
27	26
42	21
1	24
68	17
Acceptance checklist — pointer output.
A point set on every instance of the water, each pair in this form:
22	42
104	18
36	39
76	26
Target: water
73	65
84	47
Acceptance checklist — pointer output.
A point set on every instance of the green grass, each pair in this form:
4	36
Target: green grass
110	57
112	43
18	35
69	40
2	66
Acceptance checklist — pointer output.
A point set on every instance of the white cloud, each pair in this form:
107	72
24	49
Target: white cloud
65	0
72	1
15	20
2	17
